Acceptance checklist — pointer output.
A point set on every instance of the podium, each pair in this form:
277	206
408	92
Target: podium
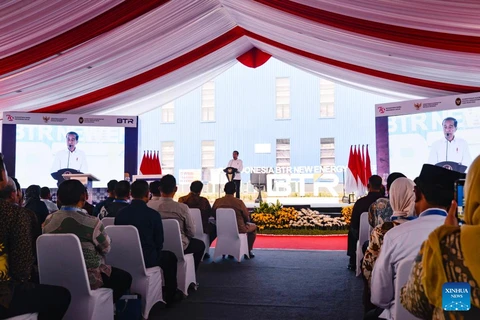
230	173
85	178
454	166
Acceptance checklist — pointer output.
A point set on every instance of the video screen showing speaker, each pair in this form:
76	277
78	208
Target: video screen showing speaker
45	149
449	138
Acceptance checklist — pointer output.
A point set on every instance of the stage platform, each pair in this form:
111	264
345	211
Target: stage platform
331	206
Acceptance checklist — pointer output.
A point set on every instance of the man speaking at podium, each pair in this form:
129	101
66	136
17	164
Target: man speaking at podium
451	149
70	158
238	164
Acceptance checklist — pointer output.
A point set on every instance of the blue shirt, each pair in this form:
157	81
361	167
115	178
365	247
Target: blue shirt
150	229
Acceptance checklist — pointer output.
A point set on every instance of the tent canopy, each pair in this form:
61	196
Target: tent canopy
128	57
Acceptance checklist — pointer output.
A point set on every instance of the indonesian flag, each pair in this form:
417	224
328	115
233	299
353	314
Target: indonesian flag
158	167
143	165
362	187
368	166
351	179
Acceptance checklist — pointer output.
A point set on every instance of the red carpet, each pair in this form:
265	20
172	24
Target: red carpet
333	242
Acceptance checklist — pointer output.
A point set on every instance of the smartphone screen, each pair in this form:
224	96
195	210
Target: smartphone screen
460	197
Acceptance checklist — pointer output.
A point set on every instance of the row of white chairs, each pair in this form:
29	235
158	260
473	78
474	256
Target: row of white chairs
61	262
229	240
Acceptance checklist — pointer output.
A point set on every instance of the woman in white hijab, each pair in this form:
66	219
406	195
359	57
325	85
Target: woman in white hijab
402	201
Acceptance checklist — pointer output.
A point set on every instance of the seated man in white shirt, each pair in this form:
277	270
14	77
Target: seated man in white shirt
46	197
70	158
434	192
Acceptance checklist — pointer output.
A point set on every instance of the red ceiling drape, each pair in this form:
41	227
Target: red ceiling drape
109	20
147	76
254	58
424	38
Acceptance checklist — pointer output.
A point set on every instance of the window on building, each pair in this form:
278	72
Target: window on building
327	151
208	101
327	99
283	152
168	112
168	157
282	87
208	154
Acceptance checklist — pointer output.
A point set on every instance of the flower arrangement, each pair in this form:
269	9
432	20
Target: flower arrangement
308	218
347	214
277	217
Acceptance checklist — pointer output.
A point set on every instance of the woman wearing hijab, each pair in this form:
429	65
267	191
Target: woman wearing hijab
33	202
450	254
402	201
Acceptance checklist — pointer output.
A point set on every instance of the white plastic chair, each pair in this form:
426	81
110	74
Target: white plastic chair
363	235
229	240
186	265
61	263
126	254
28	316
403	273
199	234
108	221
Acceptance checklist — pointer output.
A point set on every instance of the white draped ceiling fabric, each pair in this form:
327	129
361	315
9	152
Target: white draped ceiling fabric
129	57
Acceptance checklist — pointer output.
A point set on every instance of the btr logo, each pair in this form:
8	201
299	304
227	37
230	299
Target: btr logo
381	110
9	117
124	120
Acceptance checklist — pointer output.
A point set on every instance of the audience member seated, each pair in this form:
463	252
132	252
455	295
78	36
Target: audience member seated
194	200
450	254
241	212
402	200
122	195
33	202
361	206
17	294
10	194
46	197
433	195
155	191
71	218
150	229
381	211
87	206
170	209
110	197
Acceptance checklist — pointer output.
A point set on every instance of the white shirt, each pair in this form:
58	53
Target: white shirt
403	241
238	164
455	151
51	206
73	160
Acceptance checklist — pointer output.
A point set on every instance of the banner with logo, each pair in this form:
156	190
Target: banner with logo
427	105
69	119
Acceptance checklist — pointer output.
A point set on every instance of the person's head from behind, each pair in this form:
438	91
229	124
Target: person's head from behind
155	188
392	177
374	183
449	128
402	197
45	193
32	192
230	188
140	190
196	187
71	193
235	155
122	190
434	187
111	188
72	140
19	191
168	186
471	212
9	192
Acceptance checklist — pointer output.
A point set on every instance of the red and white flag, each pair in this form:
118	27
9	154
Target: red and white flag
351	178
